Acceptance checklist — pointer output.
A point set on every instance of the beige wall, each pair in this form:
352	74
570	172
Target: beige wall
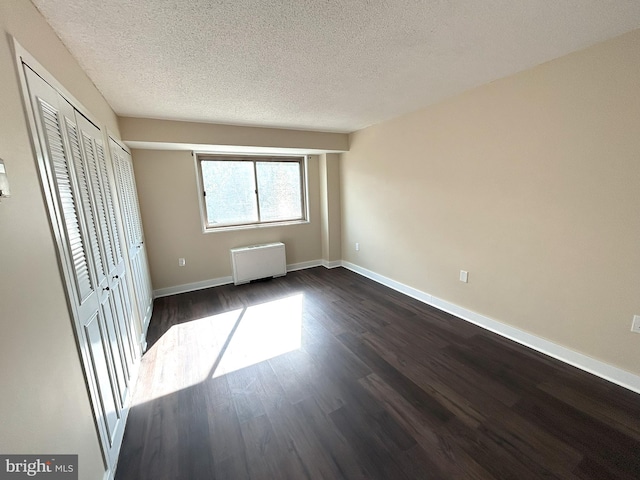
151	133
331	227
168	195
44	405
530	183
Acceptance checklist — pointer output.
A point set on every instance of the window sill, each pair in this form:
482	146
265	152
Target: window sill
231	228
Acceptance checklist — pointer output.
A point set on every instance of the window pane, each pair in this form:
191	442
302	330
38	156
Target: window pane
279	191
230	188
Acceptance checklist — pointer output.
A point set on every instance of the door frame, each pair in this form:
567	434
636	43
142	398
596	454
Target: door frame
24	59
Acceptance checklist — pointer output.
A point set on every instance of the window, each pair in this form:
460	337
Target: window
244	191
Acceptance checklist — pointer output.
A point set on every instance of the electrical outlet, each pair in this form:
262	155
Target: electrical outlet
182	262
357	247
635	325
464	276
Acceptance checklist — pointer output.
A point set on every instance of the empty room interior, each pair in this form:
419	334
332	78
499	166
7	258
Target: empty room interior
338	239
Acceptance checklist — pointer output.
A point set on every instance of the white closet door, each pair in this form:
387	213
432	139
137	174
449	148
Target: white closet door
123	168
119	334
120	282
76	220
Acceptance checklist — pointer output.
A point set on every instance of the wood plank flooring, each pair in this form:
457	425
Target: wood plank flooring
324	374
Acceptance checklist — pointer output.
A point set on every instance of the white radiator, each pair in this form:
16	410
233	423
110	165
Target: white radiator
258	261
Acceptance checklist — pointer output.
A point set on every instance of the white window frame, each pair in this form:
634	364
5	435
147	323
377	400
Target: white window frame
302	160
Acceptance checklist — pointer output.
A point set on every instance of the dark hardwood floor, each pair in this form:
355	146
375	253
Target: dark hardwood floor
326	374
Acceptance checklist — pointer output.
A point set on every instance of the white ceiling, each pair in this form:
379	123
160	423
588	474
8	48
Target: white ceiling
332	65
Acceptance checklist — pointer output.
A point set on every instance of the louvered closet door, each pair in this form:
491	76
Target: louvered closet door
111	270
75	217
123	169
120	282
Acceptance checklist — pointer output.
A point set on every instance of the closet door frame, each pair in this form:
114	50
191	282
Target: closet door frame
25	60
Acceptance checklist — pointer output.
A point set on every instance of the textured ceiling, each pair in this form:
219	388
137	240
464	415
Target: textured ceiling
334	65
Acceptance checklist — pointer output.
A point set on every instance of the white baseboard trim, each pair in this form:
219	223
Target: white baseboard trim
303	265
596	367
400	287
333	264
216	282
192	287
583	362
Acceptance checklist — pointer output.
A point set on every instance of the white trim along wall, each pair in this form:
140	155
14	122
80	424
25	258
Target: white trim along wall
603	370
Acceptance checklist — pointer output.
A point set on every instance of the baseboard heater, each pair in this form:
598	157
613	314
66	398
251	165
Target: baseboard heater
257	262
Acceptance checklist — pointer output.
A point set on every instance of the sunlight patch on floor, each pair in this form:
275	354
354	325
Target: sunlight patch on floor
209	347
265	331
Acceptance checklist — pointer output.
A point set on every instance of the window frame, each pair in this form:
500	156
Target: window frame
301	160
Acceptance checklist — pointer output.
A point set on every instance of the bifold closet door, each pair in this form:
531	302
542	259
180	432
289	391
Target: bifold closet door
69	155
130	213
112	273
